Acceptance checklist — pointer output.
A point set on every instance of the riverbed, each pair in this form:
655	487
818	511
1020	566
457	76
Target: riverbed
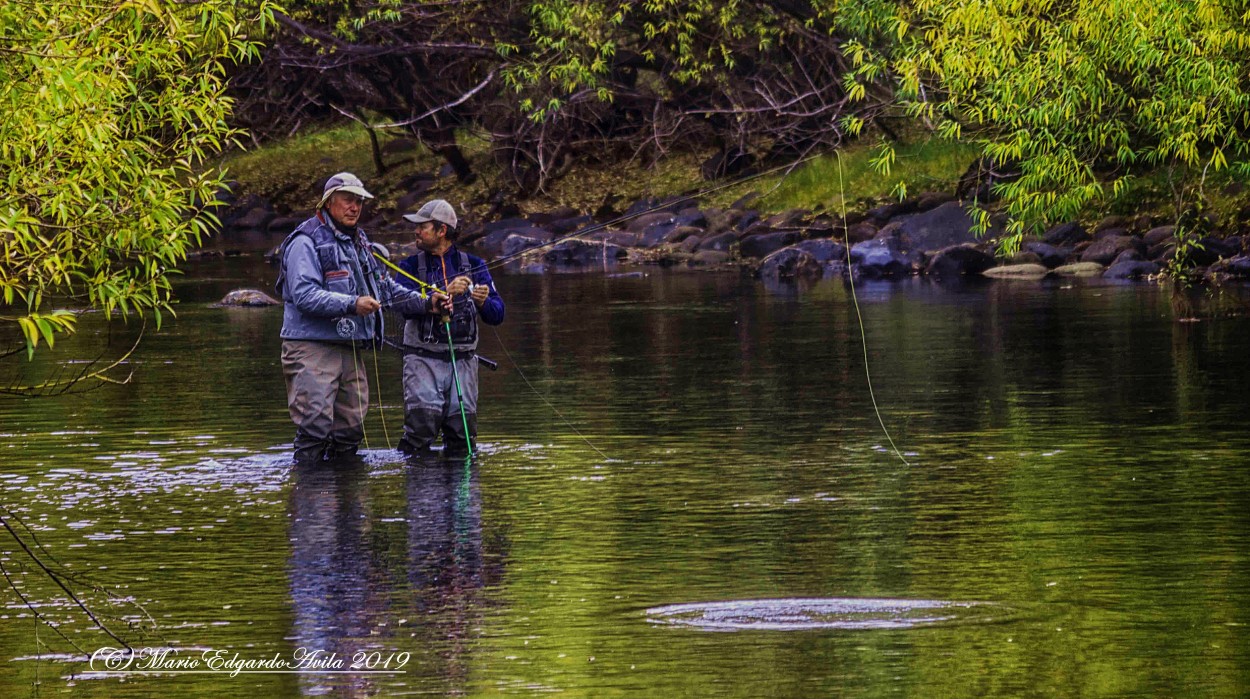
689	485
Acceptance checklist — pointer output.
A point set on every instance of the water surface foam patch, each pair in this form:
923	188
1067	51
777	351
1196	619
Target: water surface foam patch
817	613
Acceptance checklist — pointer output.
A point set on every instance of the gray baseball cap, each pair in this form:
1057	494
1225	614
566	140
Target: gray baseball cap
343	182
434	210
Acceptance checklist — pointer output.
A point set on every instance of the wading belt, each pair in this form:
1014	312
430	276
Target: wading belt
432	354
442	356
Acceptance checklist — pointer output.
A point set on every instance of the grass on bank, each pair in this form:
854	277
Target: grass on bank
849	181
289	172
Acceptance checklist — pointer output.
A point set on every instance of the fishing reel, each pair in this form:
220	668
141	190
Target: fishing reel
345	327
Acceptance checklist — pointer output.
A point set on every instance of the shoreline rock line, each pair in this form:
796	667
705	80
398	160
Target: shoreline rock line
929	235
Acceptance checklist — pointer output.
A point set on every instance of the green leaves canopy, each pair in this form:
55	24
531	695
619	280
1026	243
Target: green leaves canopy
109	110
1080	96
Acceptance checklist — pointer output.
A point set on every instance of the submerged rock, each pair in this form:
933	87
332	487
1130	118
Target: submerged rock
1079	269
249	298
1017	272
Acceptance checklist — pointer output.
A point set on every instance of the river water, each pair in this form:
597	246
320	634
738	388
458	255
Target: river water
684	490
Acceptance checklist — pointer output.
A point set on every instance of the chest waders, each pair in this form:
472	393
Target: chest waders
451	345
455	375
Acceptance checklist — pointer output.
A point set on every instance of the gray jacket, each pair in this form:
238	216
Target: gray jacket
323	272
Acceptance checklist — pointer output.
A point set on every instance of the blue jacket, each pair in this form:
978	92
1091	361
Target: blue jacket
428	331
323	272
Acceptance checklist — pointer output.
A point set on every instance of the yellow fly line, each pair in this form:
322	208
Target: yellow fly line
397	268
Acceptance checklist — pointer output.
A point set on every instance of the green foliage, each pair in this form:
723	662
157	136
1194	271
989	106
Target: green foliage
574	42
1078	98
111	109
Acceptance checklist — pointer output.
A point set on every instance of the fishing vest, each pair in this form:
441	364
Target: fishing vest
326	245
427	331
331	254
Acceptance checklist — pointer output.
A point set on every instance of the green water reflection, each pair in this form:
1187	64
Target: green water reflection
1074	458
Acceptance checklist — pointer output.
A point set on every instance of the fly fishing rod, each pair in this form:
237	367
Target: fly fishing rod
451	345
488	363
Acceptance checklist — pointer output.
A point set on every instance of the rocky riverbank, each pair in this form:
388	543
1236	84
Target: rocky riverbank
930	235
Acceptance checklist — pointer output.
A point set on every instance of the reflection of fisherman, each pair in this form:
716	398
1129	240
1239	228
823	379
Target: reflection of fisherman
447	569
332	285
431	402
333	572
353	589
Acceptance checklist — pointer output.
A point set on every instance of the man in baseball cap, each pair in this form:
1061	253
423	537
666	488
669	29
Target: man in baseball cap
436	210
432	403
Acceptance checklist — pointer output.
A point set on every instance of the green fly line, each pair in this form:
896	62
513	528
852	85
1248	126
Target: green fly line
859	316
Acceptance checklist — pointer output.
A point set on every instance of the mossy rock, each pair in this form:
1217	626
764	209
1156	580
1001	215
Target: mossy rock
1080	269
1025	271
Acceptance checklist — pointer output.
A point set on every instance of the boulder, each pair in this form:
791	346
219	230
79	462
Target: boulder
544	219
492	244
1211	250
624	239
719	220
691	216
1105	250
1024	257
671	205
884	213
823	226
506	224
666	234
569	224
823	249
766	243
881	257
1017	272
680	233
1130	255
959	260
1131	269
1065	235
792	218
746	220
941	227
1231	268
253	298
727	163
859	232
1112	222
931	200
416	195
285	225
719	243
581	253
690	244
789	263
516	243
705	258
1161	234
256	219
641	223
1048	254
1079	269
1110	233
